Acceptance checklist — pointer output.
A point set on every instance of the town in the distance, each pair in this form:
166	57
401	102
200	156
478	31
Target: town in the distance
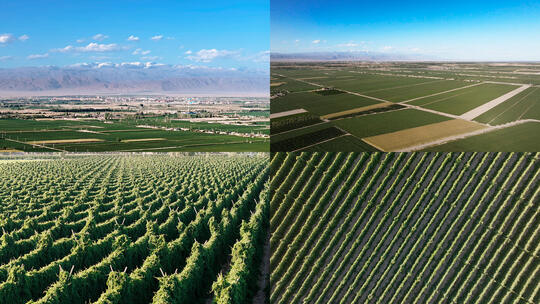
131	123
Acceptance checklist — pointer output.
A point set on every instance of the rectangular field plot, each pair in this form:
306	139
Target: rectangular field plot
401	140
342	143
519	138
305	140
402	93
375	124
461	101
319	104
525	105
363	82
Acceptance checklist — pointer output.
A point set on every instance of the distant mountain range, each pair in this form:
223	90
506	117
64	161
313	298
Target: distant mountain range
132	78
345	56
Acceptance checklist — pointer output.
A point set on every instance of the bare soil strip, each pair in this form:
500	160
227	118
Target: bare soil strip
516	103
361	109
276	84
472	114
9	150
143	139
64	141
403	139
287	113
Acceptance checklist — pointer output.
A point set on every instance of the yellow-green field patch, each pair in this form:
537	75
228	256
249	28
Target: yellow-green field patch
400	140
361	109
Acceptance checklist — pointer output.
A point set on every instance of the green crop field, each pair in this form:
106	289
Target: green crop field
525	105
375	124
510	139
128	135
461	101
133	229
405	228
366	99
318	104
343	143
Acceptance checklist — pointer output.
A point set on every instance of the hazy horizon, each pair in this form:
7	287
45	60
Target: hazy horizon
489	31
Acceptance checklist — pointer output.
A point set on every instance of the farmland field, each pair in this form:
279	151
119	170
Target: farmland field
513	138
366	99
525	105
133	228
137	135
405	228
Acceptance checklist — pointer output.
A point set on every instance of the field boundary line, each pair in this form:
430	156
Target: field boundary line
38	145
319	142
472	114
287	113
435	94
404	86
288	131
356	110
510	107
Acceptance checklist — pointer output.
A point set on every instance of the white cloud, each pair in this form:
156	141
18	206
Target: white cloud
24	37
263	56
209	55
387	48
188	52
316	41
4	58
157	37
349	44
6	38
91	47
100	37
104	64
133	38
150	58
170	38
297	40
140	51
80	40
38	56
65	49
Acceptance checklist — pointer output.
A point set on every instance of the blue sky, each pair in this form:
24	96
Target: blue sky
450	30
229	34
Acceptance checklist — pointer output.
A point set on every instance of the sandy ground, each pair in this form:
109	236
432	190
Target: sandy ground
287	113
9	150
472	114
404	139
361	109
143	139
89	131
